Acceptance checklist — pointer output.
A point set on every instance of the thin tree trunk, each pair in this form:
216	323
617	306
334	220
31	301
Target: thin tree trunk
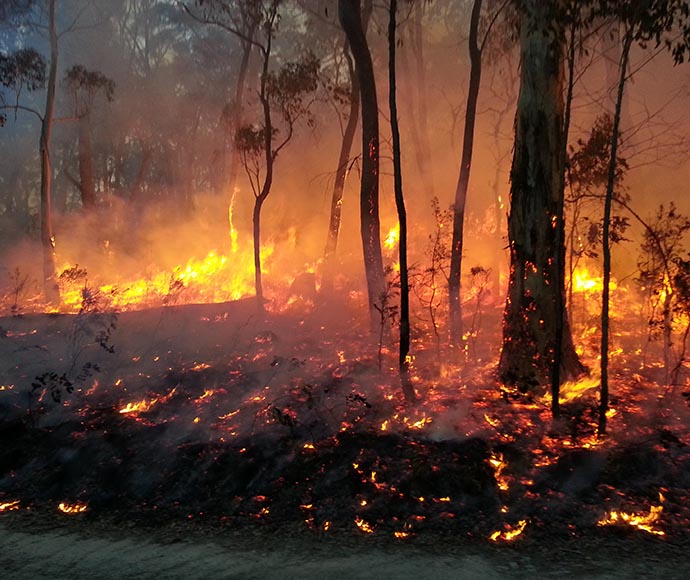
529	319
454	279
86	180
349	12
268	180
340	175
611	181
404	351
50	287
422	110
559	263
236	116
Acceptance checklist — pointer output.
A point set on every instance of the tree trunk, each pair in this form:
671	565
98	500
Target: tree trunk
559	262
454	279
404	351
610	184
349	12
340	175
256	222
529	324
50	287
422	113
236	116
86	180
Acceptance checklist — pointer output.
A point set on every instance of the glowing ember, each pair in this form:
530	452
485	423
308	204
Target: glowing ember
644	522
9	506
138	407
364	526
509	534
496	461
72	508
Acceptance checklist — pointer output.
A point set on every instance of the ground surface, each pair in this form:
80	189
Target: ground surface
42	548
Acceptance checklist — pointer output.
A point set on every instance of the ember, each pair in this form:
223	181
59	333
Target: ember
206	314
72	508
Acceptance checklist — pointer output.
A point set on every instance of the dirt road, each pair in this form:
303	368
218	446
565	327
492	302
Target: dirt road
63	553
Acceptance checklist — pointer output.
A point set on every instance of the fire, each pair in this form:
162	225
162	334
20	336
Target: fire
72	508
233	231
509	534
9	506
139	406
572	390
644	522
584	281
392	238
364	526
496	461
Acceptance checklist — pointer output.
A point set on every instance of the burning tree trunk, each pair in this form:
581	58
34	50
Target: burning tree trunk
529	325
404	352
349	12
454	279
50	287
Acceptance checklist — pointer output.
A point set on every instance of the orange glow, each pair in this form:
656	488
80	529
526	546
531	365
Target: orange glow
139	406
364	526
9	506
72	508
392	238
644	522
509	534
496	461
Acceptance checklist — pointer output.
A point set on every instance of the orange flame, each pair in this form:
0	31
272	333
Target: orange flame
72	508
644	522
509	534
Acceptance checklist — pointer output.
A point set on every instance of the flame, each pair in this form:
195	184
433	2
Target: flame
72	508
9	506
138	407
572	390
392	238
584	281
497	462
509	534
644	522
364	526
233	231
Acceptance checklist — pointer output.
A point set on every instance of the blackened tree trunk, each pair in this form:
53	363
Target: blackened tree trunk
529	324
606	227
86	180
349	12
50	287
559	262
404	351
341	174
454	279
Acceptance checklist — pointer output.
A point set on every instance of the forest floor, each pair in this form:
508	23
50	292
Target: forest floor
203	441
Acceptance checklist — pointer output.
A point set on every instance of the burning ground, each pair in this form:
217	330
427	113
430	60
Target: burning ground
214	415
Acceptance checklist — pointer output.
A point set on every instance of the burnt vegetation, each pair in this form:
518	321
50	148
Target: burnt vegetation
484	362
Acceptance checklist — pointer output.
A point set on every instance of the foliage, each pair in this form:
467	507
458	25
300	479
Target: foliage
25	68
84	85
431	282
387	308
586	178
663	274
